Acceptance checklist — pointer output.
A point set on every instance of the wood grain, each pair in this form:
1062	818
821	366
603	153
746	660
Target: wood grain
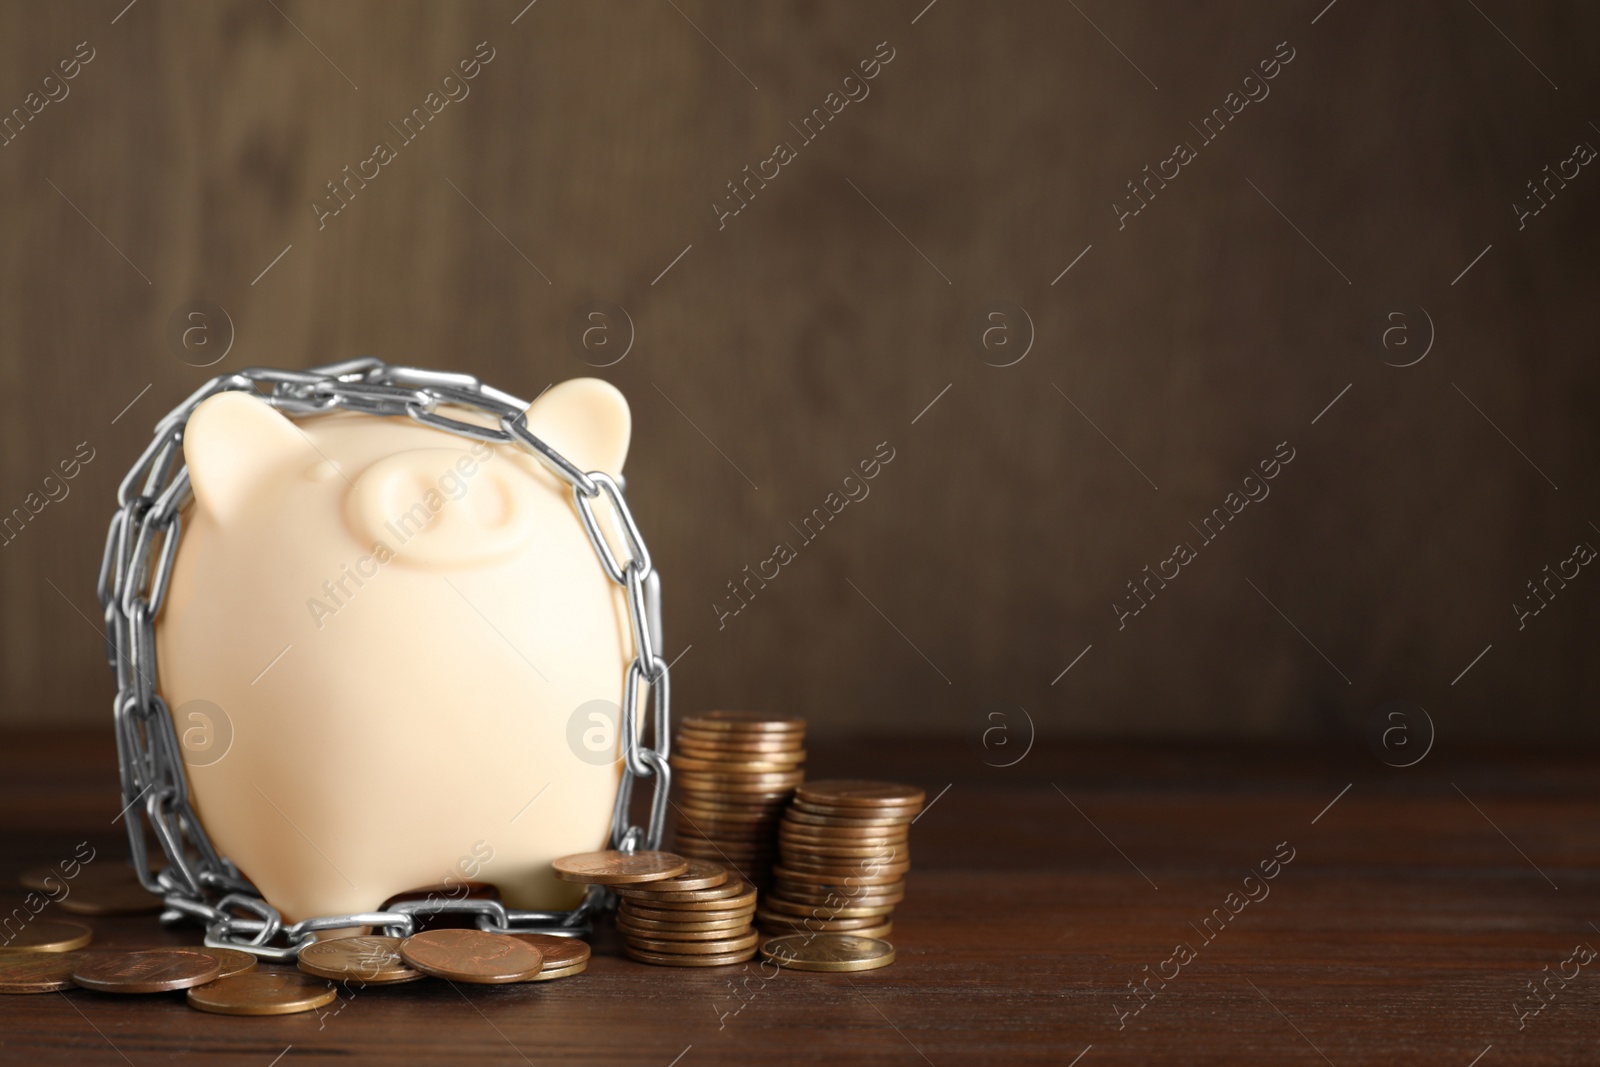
1403	931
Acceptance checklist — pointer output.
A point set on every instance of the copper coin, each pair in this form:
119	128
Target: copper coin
38	972
742	748
619	868
802	833
846	850
696	948
562	955
671	959
828	952
702	874
784	907
46	935
370	960
816	924
694	759
854	792
779	930
857	872
472	956
160	970
855	816
690	917
263	993
800	817
743	721
688	922
733	887
564	972
231	960
860	896
639	934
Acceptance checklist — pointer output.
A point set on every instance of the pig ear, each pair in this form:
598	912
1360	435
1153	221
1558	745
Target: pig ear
586	420
231	444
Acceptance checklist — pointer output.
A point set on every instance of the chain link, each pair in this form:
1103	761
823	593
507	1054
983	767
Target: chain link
198	883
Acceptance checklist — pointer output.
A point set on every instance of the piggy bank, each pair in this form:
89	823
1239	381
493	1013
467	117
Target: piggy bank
395	625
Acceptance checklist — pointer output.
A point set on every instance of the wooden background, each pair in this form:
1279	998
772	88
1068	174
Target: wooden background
773	354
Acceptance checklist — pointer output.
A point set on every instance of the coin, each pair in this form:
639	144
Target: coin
563	956
263	993
638	935
778	904
94	890
731	888
692	924
702	874
856	898
231	960
743	915
47	935
367	960
619	868
739	943
852	792
705	765
802	834
828	952
850	850
861	872
742	722
38	972
673	959
881	931
150	971
472	956
798	816
815	923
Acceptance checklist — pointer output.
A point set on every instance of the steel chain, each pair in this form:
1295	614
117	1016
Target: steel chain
198	883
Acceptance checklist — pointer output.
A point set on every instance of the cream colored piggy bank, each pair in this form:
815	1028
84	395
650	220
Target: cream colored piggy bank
397	624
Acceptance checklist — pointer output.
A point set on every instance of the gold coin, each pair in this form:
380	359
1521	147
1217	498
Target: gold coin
696	948
370	960
701	874
38	972
230	960
472	956
673	959
160	970
733	887
47	935
263	992
561	954
854	792
828	952
742	721
784	907
619	868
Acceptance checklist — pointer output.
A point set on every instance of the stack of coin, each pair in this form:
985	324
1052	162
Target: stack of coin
699	919
843	857
735	773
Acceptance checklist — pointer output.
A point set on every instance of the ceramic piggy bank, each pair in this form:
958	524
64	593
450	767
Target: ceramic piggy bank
396	624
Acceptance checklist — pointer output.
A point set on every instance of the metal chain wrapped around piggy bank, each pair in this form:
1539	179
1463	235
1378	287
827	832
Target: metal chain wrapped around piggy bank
357	601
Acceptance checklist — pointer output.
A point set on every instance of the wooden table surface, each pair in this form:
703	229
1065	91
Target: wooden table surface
1416	909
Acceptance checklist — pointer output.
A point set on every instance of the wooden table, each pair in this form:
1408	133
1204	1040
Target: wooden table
1417	907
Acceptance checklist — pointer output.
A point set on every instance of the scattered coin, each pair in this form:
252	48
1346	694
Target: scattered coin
370	960
48	935
702	874
619	868
563	956
472	956
231	960
150	971
263	992
38	972
828	952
